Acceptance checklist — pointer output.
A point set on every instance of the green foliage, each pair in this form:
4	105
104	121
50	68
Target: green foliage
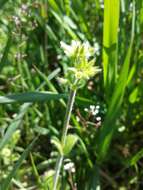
110	43
31	97
70	143
6	183
103	147
116	100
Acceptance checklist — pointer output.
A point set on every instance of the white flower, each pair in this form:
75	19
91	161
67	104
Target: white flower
16	20
98	107
77	49
62	80
98	118
88	50
70	50
94	110
70	167
86	109
101	4
96	48
131	6
121	129
77	118
82	67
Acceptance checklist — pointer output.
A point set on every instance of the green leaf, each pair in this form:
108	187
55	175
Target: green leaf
54	6
133	96
132	72
14	125
47	28
2	3
64	24
7	181
67	6
31	97
69	22
110	42
80	16
94	182
5	53
136	157
116	100
50	33
18	119
57	144
41	130
71	140
84	149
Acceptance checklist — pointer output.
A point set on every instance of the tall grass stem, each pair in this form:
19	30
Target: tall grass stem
70	104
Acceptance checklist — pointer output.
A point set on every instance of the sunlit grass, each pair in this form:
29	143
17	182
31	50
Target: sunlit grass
104	146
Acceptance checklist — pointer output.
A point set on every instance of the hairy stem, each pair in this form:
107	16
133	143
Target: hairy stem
71	100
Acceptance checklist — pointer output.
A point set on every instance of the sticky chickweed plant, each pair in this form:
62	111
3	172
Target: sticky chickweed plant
81	69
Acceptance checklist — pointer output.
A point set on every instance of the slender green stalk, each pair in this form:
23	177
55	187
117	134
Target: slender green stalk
68	115
64	134
57	169
35	171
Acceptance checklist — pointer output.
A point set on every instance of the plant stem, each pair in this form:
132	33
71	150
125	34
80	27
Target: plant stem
71	100
68	115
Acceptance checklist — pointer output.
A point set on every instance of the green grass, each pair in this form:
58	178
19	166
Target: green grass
104	154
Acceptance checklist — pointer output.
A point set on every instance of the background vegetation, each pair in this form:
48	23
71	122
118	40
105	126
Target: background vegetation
108	112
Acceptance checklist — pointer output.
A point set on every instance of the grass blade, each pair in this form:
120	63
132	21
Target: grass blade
14	125
2	3
116	101
7	181
110	42
23	109
5	53
132	161
31	97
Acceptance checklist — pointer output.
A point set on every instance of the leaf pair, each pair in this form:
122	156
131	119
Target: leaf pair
71	140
